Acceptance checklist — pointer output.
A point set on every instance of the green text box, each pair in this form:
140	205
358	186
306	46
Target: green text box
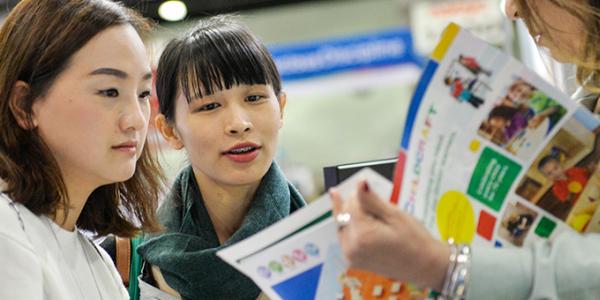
492	178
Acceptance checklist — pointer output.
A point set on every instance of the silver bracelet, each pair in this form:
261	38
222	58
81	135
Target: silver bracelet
457	275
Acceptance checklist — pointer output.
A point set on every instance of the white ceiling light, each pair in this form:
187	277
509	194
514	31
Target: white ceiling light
172	10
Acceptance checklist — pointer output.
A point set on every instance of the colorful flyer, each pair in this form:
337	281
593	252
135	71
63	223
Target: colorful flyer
495	155
491	154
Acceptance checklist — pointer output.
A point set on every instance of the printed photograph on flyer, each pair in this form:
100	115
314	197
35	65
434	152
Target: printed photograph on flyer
521	119
564	178
467	80
465	84
516	223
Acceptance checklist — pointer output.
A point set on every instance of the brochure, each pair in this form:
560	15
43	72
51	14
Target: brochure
491	154
495	154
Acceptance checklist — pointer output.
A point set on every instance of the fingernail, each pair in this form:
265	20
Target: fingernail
365	186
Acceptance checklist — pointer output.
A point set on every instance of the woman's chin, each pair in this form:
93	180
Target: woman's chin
122	175
247	177
244	179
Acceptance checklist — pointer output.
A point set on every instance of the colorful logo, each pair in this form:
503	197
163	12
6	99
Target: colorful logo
288	261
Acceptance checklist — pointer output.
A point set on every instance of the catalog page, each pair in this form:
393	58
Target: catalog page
494	153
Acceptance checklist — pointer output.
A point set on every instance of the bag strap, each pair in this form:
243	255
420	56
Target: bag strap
136	268
123	258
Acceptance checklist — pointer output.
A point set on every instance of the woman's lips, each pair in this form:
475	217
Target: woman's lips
127	147
245	156
243	152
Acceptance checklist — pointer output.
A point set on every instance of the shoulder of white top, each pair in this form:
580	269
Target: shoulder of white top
12	216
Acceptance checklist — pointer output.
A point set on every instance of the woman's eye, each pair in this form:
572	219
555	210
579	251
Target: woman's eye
254	98
145	96
209	106
112	93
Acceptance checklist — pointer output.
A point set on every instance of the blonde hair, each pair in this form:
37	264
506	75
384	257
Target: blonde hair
588	13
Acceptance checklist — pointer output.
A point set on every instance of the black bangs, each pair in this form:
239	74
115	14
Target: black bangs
219	57
216	55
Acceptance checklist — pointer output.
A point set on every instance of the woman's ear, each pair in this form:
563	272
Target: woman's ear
16	101
168	131
282	98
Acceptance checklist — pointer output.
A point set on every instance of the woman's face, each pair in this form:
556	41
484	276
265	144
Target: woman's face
94	117
231	135
567	32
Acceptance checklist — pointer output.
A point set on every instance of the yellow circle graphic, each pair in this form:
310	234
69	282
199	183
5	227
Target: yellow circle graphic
575	187
474	146
455	217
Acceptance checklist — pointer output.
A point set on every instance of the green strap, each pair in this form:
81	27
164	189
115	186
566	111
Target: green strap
135	269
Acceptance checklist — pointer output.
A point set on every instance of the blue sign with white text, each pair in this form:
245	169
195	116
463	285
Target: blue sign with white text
301	61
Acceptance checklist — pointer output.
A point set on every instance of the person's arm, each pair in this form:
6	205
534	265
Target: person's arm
21	273
382	239
547	112
507	272
566	268
540	117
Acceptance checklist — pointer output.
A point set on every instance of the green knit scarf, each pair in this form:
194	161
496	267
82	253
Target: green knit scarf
185	253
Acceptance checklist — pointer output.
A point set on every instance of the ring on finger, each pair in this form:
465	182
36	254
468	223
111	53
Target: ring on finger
342	219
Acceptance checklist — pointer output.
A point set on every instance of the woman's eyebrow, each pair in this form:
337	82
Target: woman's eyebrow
117	73
111	72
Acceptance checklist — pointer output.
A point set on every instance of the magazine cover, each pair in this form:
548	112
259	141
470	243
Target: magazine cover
495	154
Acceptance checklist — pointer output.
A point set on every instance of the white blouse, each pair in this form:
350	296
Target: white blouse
40	260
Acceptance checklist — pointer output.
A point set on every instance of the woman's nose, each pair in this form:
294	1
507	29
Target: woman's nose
134	116
239	127
238	122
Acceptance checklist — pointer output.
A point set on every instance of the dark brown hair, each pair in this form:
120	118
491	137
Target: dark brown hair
37	41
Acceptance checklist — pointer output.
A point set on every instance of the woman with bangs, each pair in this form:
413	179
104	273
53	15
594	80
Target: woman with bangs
220	99
376	236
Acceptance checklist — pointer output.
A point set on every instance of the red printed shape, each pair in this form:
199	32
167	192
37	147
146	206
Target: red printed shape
485	228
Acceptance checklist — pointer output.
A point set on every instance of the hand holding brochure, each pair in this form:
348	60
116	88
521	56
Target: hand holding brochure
300	258
495	154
